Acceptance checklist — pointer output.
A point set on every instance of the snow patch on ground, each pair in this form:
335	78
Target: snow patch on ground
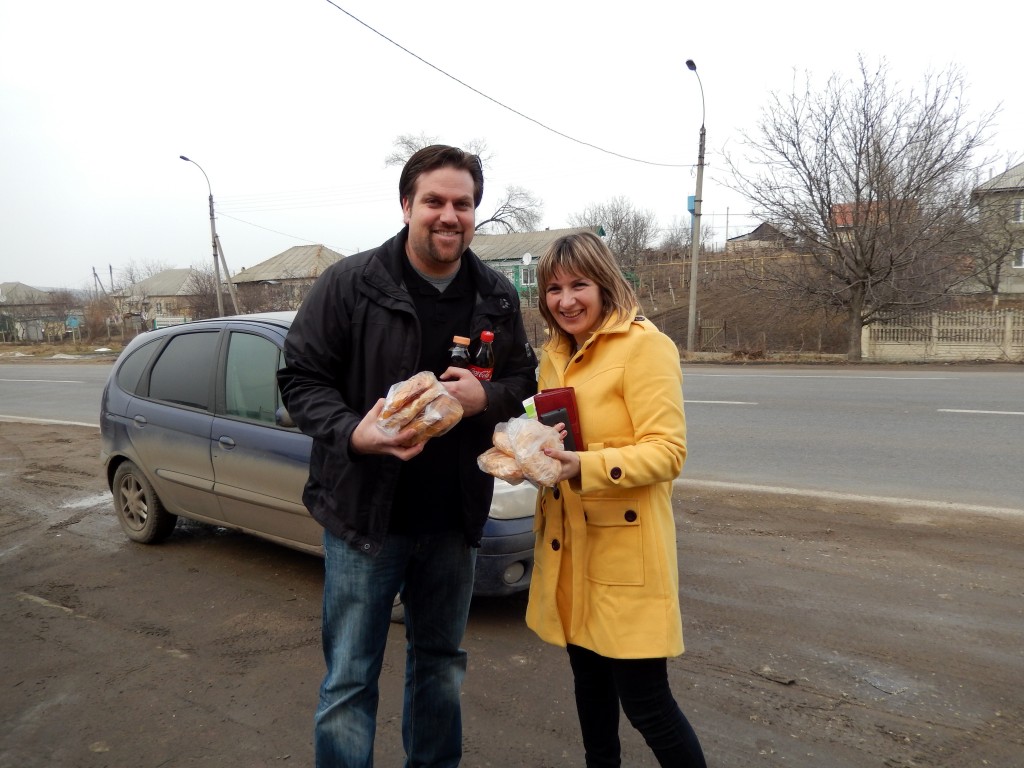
88	502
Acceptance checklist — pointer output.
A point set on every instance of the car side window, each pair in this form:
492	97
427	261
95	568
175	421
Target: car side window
131	369
182	373
250	390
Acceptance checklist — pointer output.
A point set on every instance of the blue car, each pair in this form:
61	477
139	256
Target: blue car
192	426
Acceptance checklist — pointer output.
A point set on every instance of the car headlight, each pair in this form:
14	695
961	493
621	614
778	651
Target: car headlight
513	501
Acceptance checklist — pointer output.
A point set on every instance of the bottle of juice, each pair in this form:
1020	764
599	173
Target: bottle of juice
459	352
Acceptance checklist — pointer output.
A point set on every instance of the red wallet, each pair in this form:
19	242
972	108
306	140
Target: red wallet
559	405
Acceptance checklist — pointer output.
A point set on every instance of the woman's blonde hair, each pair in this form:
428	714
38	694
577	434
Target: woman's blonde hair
585	254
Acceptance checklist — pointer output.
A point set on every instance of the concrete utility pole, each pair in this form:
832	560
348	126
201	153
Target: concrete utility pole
691	325
218	254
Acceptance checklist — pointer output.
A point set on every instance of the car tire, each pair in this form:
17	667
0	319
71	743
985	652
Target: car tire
139	510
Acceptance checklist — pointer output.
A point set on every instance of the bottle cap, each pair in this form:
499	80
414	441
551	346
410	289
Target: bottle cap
461	340
486	336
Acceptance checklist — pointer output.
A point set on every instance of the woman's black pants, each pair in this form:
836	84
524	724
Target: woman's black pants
641	687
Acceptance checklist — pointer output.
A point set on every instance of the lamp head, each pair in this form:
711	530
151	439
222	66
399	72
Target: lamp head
185	158
690	65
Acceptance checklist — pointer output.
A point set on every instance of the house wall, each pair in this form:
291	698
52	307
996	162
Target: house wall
1002	212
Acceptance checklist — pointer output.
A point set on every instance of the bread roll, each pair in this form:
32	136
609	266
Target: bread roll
501	440
498	464
407	399
437	417
530	437
541	469
527	439
405	392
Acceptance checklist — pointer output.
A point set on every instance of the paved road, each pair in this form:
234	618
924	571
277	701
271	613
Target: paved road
57	391
939	435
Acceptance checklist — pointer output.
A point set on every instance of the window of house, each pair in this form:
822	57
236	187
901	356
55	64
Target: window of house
1018	258
529	275
1018	211
159	307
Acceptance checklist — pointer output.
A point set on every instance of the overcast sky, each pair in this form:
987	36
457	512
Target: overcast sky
291	106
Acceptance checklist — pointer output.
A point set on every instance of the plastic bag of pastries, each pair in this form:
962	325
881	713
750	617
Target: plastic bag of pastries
529	439
523	440
437	417
406	400
501	465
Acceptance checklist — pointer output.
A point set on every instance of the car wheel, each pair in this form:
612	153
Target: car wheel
139	510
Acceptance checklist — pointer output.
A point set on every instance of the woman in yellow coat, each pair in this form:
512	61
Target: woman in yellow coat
605	582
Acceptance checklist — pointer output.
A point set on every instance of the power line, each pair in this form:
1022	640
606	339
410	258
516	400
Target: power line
502	105
285	234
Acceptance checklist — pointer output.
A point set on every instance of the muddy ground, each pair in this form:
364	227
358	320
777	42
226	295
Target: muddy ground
819	634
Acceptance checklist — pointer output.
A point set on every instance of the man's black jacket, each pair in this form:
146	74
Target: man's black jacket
354	336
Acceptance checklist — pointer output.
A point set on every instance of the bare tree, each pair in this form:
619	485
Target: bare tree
134	272
62	304
629	231
874	183
201	287
679	235
999	237
518	209
406	145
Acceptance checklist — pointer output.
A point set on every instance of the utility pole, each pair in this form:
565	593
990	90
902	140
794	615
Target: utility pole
691	325
218	254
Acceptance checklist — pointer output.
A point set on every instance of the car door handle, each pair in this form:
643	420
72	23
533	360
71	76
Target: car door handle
140	421
227	442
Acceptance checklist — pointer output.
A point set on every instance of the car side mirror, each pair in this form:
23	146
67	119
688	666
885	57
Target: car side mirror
282	418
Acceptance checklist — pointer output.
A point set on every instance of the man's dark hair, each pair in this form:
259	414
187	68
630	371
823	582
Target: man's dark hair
440	156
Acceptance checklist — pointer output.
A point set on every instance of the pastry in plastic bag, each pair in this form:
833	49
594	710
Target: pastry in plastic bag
499	464
501	440
437	417
408	399
529	438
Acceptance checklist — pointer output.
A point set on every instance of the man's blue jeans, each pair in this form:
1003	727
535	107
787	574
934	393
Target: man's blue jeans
435	576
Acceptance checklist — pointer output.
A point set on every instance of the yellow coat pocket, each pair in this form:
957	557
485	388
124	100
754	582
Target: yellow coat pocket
615	550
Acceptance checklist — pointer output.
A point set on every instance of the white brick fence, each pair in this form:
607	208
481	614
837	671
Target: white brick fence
974	334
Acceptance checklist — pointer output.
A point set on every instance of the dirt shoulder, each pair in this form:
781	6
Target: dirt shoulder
818	634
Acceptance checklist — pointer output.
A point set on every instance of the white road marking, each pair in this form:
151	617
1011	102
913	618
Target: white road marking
44	381
30	420
940	506
687	373
993	413
720	402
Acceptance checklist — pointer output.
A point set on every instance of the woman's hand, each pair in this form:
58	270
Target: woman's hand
570	461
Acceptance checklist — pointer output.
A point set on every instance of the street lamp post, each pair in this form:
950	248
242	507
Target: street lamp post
691	326
213	239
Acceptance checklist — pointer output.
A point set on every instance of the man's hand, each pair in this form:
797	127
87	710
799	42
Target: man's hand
466	388
369	439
